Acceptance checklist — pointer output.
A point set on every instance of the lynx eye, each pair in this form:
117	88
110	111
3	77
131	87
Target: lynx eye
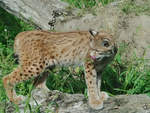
105	43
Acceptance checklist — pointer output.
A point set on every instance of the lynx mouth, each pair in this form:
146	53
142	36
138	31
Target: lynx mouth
99	56
103	55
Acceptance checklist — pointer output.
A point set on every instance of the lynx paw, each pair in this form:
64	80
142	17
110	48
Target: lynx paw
42	86
96	104
104	95
18	99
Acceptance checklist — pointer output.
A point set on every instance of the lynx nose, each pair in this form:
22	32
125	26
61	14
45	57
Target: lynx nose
113	50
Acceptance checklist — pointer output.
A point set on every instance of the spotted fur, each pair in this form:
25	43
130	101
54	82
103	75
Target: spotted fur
38	50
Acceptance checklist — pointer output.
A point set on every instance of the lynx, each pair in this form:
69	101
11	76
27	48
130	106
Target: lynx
39	49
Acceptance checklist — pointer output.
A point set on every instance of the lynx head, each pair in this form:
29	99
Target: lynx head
102	45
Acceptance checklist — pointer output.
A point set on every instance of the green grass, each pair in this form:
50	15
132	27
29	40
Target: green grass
82	4
127	77
119	77
131	6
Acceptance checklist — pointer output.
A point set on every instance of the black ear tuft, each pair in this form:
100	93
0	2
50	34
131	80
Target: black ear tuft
93	32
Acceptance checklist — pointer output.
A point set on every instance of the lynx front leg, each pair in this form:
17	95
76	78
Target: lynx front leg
103	94
96	97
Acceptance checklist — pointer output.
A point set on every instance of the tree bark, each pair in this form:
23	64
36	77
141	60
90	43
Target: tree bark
37	11
42	12
57	102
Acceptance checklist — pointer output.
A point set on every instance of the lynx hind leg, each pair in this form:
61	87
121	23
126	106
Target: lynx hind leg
9	82
96	97
40	81
21	73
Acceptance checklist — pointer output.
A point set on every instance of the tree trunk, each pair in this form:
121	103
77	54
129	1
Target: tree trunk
37	11
57	102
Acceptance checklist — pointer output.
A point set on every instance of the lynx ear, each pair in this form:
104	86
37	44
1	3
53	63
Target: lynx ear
93	32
